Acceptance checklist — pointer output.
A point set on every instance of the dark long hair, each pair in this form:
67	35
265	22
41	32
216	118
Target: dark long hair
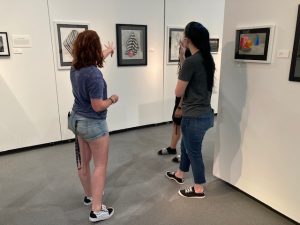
87	50
199	36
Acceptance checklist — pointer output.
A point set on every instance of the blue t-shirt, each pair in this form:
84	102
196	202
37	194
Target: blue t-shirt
88	83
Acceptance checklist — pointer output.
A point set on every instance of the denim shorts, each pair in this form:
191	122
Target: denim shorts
87	128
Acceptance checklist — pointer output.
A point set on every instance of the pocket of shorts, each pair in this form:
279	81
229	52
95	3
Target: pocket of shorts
81	128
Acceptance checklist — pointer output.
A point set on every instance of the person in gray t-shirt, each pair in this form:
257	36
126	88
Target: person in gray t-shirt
195	83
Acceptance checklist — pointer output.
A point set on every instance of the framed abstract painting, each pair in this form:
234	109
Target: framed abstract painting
254	44
174	36
131	44
214	45
4	46
66	33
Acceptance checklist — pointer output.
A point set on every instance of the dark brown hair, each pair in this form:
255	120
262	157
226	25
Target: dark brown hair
199	36
87	50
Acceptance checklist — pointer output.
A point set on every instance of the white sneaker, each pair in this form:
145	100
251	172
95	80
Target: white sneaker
104	214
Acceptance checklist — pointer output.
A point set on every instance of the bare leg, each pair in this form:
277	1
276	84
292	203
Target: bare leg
198	188
84	169
176	133
99	149
179	173
175	138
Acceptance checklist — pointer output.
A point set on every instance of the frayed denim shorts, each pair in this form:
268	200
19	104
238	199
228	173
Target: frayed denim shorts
87	128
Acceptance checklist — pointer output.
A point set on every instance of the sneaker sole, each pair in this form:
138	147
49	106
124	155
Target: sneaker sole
172	178
101	219
87	204
189	197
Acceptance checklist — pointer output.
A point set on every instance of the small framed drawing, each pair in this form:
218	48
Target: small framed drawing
254	44
295	64
214	45
66	33
4	46
175	35
131	44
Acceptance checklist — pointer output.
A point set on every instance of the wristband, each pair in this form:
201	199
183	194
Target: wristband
112	101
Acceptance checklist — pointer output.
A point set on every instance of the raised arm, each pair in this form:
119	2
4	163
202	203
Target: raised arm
109	49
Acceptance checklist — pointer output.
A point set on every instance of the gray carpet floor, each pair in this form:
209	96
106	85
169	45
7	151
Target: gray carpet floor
40	187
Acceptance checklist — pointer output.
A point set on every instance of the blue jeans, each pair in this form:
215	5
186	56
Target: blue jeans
193	130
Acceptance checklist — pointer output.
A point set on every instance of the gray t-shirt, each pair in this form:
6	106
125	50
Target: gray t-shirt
196	99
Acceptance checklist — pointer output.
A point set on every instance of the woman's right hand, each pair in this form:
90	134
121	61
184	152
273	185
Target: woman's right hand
114	98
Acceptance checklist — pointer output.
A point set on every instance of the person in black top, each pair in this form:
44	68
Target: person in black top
177	112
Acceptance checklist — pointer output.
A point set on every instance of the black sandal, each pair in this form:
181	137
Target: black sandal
176	159
167	151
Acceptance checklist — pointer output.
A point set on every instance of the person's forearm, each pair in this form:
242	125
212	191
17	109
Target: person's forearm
181	59
180	103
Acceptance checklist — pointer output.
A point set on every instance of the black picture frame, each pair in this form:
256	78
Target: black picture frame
254	44
4	45
66	34
214	45
131	44
295	63
175	34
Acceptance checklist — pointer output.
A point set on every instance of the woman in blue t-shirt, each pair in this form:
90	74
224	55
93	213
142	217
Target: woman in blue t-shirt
88	118
195	83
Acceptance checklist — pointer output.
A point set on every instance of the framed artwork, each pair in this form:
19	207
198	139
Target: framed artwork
131	44
66	34
254	44
4	46
175	35
214	45
295	64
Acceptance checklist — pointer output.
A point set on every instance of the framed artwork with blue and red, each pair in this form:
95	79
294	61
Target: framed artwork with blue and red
254	44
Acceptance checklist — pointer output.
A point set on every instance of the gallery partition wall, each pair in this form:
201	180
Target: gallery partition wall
35	44
257	146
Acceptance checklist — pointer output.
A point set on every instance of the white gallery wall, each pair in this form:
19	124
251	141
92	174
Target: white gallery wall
257	146
140	88
178	14
36	95
29	109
